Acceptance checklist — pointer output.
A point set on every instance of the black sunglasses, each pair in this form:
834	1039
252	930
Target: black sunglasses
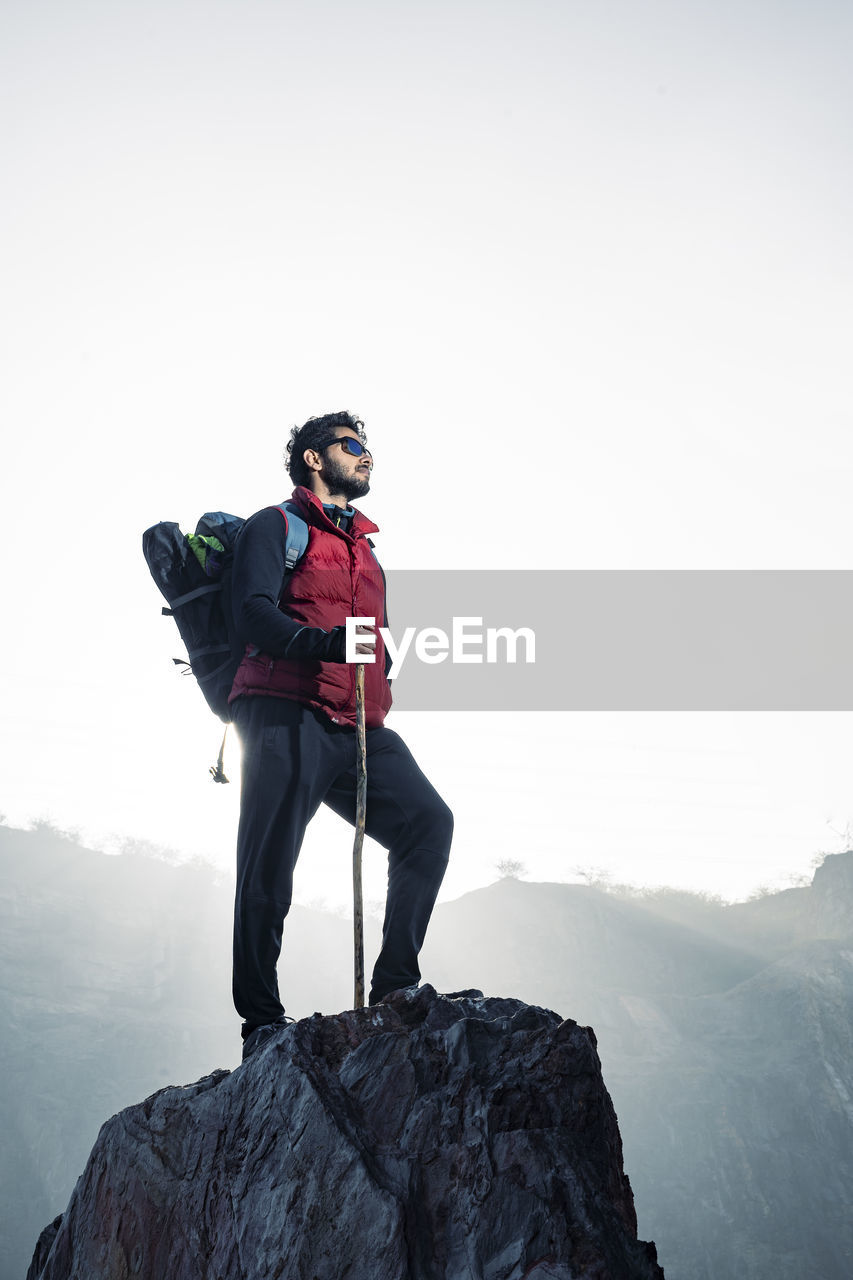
348	444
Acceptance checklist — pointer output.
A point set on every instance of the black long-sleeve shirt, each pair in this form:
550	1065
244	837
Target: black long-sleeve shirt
256	586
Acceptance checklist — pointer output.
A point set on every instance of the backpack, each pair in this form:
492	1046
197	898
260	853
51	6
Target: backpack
193	572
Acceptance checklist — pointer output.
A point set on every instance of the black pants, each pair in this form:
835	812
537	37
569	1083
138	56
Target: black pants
294	759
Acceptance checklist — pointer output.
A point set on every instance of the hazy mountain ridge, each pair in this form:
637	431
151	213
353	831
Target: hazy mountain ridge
114	981
728	1050
725	1032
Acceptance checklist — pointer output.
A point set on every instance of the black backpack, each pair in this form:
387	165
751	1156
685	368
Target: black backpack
193	571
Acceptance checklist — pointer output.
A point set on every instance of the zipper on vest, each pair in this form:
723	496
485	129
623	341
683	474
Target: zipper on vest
353	570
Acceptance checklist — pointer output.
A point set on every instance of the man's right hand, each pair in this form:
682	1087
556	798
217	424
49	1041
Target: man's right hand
366	640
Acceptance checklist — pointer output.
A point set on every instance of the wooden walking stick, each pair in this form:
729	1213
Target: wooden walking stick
360	817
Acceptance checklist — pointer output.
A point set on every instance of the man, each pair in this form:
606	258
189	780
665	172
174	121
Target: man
293	702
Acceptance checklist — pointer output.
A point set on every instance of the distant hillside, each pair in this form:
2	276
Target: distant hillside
115	979
726	1039
725	1032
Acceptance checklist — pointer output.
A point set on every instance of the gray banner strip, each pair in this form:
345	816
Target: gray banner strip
630	641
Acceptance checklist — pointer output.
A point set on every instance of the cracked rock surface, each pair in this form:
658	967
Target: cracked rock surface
429	1138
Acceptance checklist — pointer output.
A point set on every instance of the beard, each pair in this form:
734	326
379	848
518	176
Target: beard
350	485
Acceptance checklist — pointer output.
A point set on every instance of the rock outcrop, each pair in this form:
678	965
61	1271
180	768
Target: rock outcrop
430	1138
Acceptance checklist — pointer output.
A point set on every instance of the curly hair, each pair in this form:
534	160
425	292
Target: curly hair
310	434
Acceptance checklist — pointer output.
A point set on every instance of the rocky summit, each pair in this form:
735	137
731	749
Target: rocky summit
430	1138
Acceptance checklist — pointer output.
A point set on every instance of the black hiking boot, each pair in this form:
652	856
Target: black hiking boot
261	1035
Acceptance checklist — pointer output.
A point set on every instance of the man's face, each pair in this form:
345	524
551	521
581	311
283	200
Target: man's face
342	471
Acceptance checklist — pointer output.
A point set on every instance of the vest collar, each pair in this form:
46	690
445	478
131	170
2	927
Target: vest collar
309	501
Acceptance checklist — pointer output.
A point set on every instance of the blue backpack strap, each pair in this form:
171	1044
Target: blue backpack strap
297	534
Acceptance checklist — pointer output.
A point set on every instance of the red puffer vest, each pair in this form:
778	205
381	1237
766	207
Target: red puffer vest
338	577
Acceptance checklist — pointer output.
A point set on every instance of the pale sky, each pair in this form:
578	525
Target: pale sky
585	271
